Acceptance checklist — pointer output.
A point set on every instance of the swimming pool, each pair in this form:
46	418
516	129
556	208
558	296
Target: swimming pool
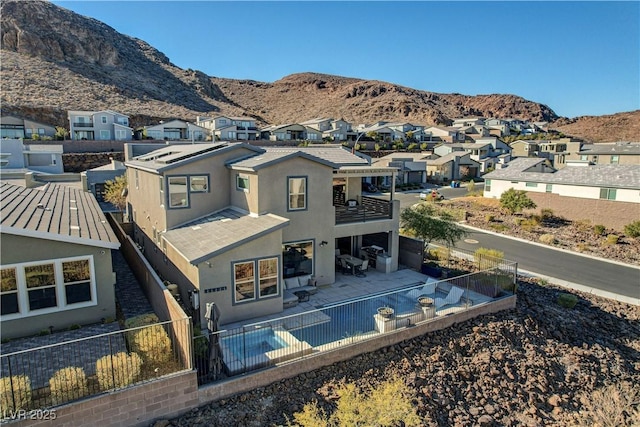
352	319
254	343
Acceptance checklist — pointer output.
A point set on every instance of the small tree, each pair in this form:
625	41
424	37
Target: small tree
115	192
427	224
516	201
61	133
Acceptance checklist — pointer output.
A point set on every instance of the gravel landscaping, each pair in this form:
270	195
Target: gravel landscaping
539	364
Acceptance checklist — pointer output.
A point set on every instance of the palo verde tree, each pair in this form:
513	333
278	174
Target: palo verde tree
426	223
115	192
516	201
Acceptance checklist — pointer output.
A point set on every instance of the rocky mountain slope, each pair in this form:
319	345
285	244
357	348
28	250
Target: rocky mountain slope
54	60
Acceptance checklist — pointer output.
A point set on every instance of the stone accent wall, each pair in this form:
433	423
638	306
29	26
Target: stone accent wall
80	162
136	406
610	213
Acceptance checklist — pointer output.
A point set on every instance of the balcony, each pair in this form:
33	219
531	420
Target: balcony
370	209
83	125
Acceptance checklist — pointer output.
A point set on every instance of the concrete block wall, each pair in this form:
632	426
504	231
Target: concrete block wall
135	406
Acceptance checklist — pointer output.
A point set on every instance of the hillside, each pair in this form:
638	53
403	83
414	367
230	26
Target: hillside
609	128
54	60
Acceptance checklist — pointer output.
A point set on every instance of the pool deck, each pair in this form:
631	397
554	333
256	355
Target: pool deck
345	288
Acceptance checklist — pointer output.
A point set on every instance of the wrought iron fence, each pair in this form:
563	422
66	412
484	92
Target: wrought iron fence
55	374
265	344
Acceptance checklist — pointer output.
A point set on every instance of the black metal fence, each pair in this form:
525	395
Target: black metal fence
265	344
55	374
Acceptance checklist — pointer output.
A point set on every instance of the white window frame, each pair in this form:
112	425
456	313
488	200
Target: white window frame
105	135
291	193
236	282
186	191
103	120
61	303
243	177
205	189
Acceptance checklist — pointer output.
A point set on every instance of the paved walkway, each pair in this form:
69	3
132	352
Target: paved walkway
76	347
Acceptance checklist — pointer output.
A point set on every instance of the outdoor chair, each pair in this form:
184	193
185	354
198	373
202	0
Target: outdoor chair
428	289
346	268
362	268
452	298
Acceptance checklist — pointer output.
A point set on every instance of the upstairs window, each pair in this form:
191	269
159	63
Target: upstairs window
103	119
297	193
199	184
487	185
242	182
614	160
178	192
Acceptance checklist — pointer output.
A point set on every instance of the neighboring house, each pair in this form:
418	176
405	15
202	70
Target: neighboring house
585	181
337	130
173	130
232	221
16	127
227	128
623	153
465	122
94	181
15	156
287	132
557	151
444	134
412	167
487	152
452	166
99	125
55	260
387	132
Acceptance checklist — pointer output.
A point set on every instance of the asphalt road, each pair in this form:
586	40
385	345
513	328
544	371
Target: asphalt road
590	274
585	271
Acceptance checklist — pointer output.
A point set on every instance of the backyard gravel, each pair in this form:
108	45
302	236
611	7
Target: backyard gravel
534	365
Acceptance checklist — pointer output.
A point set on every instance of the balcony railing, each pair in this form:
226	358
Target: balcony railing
83	125
368	210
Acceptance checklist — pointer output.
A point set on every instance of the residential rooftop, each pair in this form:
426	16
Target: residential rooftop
331	155
231	227
615	148
615	176
54	212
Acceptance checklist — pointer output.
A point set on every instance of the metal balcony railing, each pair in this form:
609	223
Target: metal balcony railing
368	210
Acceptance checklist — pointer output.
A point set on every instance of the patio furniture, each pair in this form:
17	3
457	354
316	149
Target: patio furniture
346	268
303	296
428	289
362	268
452	297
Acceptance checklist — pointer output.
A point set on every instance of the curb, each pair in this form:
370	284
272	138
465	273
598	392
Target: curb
519	239
582	288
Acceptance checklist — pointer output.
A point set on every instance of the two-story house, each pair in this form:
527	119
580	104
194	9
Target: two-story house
227	128
16	127
623	153
337	130
225	219
444	134
99	125
18	157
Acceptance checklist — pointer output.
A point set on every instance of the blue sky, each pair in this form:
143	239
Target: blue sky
579	58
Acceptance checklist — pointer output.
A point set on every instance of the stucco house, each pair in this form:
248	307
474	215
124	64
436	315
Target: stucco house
586	181
55	260
453	166
99	125
232	221
94	181
17	127
444	134
17	157
228	128
173	130
614	153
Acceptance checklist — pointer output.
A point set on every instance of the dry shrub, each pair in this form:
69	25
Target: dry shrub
68	384
548	239
612	239
118	370
567	300
152	344
389	404
611	406
15	393
487	258
583	224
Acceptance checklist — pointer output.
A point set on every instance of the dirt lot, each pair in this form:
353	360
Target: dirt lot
578	235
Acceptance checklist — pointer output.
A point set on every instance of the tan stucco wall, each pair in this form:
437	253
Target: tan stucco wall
317	222
219	275
245	199
18	249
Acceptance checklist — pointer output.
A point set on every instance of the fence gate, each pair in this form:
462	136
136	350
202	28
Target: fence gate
411	252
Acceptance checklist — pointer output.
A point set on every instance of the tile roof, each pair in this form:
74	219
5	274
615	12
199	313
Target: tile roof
54	212
615	176
228	228
330	155
616	148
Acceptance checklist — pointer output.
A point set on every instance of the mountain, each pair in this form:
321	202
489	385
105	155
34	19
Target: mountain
54	60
